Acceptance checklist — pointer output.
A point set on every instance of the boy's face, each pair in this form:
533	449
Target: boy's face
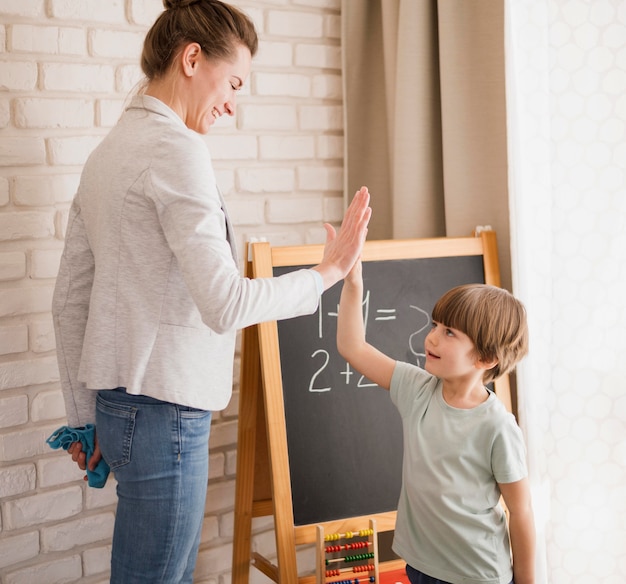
450	353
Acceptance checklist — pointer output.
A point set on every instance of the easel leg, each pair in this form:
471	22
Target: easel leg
246	453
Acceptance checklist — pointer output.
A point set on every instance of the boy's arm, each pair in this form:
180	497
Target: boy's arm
351	343
521	529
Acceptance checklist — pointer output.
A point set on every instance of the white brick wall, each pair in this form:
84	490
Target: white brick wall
66	69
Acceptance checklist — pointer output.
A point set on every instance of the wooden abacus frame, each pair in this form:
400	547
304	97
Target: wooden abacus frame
322	551
263	484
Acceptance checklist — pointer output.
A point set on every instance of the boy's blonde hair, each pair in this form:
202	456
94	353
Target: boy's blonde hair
492	318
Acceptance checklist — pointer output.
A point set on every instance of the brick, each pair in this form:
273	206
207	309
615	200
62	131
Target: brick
18	75
41	336
12	265
72	150
268	117
25	443
227	524
115	44
60	223
246	212
216	465
72	41
45	263
5	113
4	191
302	210
220	497
282	84
334	209
54	113
295	24
28	372
274	54
264	543
109	111
54	471
320	178
22	151
223	434
111	11
226	181
329	147
277	238
97	560
78	77
231	464
144	12
286	147
16	480
330	4
315	235
69	534
43	507
318	56
51	40
321	118
237	147
47	406
40	190
210	529
26	225
327	87
213	561
104	497
127	77
332	27
30	8
266	180
13	339
18	548
67	569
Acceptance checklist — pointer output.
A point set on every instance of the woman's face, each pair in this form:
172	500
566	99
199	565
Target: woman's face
212	88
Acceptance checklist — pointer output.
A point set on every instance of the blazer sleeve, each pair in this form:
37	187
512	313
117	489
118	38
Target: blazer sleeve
70	308
182	185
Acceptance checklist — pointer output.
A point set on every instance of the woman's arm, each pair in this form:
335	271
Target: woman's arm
351	342
521	529
343	249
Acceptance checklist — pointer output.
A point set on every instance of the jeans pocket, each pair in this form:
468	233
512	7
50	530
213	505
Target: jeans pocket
115	427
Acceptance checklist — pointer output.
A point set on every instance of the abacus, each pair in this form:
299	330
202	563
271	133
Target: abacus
347	558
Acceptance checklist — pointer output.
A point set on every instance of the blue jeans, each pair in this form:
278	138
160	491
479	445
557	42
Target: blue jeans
159	453
416	577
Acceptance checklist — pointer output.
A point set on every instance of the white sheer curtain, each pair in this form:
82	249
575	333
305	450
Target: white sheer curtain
566	109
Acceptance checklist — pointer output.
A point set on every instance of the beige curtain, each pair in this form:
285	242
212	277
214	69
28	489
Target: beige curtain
425	117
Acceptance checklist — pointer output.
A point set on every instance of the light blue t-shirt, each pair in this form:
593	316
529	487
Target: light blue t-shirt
449	523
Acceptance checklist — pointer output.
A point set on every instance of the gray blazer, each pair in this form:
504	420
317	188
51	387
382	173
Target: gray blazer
149	295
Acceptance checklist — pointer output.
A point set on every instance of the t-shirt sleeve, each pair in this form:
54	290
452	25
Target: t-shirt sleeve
407	383
508	456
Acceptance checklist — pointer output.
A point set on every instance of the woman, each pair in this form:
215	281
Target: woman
149	296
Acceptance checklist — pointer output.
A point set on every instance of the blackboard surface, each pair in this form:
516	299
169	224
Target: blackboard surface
344	435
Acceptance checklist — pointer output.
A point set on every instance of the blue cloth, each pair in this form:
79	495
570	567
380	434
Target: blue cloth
64	436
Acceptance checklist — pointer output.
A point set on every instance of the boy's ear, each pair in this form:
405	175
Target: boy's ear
480	364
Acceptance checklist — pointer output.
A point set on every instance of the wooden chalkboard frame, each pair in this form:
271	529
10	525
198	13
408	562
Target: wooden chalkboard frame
263	485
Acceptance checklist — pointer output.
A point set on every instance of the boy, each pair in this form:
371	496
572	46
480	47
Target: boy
462	449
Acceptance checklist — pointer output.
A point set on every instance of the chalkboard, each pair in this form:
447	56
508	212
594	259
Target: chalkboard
344	435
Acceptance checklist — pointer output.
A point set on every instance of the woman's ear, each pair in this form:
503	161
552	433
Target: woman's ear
190	58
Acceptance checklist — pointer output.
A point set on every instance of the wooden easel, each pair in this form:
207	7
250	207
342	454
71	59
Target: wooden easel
263	484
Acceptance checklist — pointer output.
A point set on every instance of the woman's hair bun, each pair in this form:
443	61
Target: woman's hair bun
173	4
